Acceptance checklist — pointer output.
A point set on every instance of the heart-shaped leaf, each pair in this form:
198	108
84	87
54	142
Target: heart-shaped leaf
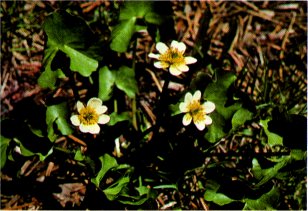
125	81
106	83
57	114
72	36
217	92
108	163
240	117
267	201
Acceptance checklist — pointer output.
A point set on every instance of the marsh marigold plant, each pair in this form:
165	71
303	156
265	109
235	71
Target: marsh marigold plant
90	116
195	111
172	58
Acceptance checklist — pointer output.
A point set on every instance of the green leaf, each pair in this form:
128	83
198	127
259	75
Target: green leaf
71	35
267	201
298	154
115	118
58	114
80	62
108	163
272	138
125	29
79	156
26	152
48	78
125	81
4	143
132	9
216	129
212	185
133	200
264	175
143	190
114	190
154	18
175	109
106	83
122	34
217	92
171	186
256	169
142	10
240	117
211	194
217	198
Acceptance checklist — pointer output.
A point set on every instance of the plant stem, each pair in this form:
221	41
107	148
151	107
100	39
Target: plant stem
134	110
73	84
134	103
161	108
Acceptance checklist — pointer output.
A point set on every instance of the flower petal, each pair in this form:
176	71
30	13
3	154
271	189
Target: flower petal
103	119
208	107
190	60
162	65
182	67
161	47
200	125
197	95
184	107
180	46
84	128
94	129
79	106
188	97
187	119
75	120
208	120
174	70
174	44
94	102
154	56
101	109
117	147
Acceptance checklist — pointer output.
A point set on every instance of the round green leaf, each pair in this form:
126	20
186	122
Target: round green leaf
125	81
106	83
71	35
122	34
240	117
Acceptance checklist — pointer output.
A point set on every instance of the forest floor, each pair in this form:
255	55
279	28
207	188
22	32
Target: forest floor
251	34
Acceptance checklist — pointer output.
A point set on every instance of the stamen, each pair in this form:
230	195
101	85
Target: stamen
194	106
196	111
172	56
88	116
199	116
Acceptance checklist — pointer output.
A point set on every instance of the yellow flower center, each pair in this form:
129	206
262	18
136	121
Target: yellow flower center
196	111
88	116
172	56
194	106
199	116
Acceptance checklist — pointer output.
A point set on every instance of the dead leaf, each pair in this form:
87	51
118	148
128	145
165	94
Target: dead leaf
71	192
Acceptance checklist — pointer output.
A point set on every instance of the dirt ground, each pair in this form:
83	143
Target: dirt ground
253	35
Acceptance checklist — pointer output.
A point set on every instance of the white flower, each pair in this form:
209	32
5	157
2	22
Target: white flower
117	148
90	116
172	58
196	111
